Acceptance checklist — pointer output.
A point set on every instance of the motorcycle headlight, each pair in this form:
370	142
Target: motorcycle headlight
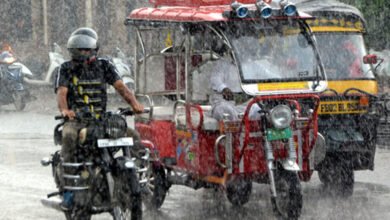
281	116
387	105
115	126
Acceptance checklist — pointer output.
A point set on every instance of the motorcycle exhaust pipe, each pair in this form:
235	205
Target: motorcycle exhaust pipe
52	203
46	161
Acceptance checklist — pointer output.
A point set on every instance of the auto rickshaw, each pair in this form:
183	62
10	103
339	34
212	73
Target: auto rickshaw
350	109
175	41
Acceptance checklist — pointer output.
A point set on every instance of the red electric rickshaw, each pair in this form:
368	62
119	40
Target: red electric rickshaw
188	146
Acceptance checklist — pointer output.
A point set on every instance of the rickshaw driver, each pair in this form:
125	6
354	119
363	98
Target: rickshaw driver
225	80
352	59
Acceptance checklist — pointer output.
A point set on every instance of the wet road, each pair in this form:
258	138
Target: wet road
26	137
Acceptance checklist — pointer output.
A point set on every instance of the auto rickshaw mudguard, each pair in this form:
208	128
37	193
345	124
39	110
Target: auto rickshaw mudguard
317	155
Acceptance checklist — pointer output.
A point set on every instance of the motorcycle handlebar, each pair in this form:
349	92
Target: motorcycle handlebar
129	112
122	111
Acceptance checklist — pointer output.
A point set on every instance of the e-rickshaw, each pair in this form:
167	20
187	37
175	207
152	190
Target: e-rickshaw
350	109
280	147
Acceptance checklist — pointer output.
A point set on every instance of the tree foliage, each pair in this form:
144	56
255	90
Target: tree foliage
377	15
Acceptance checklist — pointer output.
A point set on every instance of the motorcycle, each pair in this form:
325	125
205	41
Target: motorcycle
12	87
56	58
104	177
123	65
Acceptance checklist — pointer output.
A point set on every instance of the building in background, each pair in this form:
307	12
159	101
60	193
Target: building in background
32	26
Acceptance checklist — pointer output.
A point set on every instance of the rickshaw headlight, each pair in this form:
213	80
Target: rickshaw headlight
281	116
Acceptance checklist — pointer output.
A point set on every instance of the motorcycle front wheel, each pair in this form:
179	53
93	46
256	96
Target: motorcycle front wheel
19	101
128	195
156	189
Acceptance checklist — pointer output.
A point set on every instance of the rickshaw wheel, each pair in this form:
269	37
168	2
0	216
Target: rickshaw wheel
157	188
238	191
337	177
288	203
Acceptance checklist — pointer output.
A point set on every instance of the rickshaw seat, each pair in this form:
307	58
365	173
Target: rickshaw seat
166	113
209	123
162	113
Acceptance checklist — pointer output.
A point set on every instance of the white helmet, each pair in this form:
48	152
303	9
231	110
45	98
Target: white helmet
83	38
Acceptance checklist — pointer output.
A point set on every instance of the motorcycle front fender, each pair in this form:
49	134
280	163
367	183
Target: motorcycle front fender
25	71
125	163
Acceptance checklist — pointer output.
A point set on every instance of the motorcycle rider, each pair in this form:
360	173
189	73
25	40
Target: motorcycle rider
81	88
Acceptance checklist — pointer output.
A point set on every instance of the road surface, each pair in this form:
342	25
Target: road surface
26	137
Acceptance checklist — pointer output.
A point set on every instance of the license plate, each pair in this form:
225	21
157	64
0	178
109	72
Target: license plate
276	134
340	107
120	142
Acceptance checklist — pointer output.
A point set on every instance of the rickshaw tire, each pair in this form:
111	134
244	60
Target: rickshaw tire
338	180
295	202
238	191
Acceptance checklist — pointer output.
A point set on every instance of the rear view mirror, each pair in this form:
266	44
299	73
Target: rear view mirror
370	59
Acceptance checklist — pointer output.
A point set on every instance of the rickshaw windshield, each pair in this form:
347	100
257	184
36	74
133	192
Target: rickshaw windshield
273	53
342	55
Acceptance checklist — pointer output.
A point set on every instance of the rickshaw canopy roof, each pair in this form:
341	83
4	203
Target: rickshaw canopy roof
180	14
332	9
194	14
192	3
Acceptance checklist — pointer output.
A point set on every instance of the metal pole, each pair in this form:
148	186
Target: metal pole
88	13
45	24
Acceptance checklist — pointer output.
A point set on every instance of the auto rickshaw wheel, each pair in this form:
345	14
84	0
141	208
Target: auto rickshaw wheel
288	202
337	177
157	189
238	191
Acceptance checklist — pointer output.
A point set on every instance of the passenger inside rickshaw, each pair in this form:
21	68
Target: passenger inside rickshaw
343	57
237	40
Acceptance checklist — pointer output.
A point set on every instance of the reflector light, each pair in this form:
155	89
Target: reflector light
364	101
264	9
288	8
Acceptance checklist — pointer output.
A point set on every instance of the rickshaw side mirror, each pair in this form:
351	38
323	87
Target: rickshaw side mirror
370	59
